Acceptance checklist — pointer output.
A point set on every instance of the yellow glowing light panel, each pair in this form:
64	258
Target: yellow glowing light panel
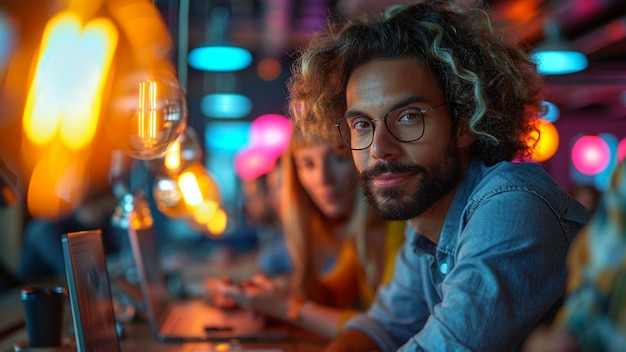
66	93
62	109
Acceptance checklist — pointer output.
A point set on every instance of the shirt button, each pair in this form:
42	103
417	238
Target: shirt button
443	268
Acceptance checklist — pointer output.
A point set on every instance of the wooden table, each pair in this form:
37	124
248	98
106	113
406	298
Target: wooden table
138	336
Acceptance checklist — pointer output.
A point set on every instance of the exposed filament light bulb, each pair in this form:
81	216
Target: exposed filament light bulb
146	113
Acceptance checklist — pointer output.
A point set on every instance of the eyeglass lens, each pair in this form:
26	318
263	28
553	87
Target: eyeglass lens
405	125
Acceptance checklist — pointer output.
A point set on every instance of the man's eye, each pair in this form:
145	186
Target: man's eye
361	124
408	116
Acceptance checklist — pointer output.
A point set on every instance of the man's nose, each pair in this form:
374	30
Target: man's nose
384	144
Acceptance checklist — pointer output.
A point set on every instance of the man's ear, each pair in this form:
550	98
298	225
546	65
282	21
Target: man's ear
464	135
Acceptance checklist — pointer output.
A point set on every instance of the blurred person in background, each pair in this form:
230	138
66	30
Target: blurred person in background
593	317
587	195
259	230
42	254
258	208
333	243
272	252
259	225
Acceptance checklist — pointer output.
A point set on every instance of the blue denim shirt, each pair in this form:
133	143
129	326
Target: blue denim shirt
497	272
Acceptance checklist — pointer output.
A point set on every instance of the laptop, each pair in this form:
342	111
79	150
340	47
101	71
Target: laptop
173	320
89	291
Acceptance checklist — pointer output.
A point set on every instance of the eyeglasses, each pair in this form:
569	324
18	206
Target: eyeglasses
406	124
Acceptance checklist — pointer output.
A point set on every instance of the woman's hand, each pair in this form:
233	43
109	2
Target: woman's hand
218	290
260	294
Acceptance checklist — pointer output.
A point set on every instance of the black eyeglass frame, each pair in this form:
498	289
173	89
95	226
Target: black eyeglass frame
421	114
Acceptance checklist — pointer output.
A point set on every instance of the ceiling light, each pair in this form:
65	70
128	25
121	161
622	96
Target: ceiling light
218	55
219	58
551	112
226	105
555	56
591	154
227	136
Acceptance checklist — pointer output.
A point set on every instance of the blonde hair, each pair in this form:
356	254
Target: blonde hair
304	224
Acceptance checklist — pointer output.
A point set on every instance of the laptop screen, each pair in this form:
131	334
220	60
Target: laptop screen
173	320
146	254
90	294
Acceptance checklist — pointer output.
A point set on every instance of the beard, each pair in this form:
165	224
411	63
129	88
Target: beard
434	181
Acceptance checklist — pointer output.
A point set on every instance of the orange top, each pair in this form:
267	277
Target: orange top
394	238
347	280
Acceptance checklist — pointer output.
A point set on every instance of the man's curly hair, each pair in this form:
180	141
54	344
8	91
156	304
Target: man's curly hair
486	79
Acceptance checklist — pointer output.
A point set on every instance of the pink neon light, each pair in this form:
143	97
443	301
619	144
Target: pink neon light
253	162
270	132
591	154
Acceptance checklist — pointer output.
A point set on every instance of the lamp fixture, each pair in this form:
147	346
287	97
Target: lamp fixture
555	56
219	55
219	58
551	112
148	112
226	105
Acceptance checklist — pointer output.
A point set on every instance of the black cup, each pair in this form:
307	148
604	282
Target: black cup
43	313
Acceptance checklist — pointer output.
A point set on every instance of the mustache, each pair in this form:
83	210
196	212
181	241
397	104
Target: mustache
391	167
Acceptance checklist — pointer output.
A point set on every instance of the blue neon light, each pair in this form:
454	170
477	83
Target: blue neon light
229	106
227	136
559	62
219	58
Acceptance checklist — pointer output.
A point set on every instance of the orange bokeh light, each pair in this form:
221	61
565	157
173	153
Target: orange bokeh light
547	142
56	186
269	69
217	224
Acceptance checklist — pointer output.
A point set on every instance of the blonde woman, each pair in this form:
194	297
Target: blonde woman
340	250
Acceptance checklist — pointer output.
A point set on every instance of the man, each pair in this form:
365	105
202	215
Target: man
435	105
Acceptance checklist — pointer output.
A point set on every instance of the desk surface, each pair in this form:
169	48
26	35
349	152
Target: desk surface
138	336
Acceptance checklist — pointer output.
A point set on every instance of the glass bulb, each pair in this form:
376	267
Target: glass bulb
198	186
213	227
168	197
190	195
190	146
183	152
148	113
217	225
